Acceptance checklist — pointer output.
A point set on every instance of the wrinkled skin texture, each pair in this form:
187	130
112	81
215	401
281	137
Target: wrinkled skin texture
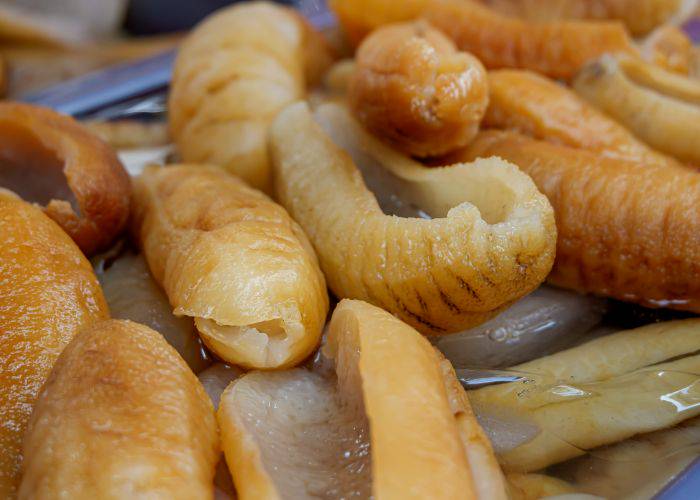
233	73
626	230
639	16
48	292
441	275
424	441
579	405
121	416
412	88
656	113
232	259
50	159
535	106
557	49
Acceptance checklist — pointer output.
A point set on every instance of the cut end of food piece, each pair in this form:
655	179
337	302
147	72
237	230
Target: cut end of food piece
121	414
51	160
234	261
413	89
492	240
392	421
265	344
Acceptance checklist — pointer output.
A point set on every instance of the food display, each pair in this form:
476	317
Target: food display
50	159
440	249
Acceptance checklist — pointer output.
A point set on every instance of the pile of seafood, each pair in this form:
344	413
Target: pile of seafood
450	252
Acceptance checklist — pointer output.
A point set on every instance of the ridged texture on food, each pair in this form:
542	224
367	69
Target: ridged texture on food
543	109
626	230
639	16
48	292
414	89
233	260
233	73
558	49
121	416
441	275
666	122
601	392
424	441
53	160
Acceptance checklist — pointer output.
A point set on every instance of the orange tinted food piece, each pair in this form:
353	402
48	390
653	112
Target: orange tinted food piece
557	49
543	109
415	90
48	292
51	159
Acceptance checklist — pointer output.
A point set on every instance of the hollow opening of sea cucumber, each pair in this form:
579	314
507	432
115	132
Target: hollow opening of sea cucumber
312	443
30	169
482	184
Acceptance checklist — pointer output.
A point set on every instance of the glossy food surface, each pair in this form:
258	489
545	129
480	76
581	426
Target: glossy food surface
412	88
121	416
390	420
50	159
557	49
48	292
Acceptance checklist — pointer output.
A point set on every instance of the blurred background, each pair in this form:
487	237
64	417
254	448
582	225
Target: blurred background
44	42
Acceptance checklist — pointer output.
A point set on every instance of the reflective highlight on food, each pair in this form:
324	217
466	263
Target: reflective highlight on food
423	441
631	382
499	199
48	293
412	87
491	242
232	259
233	74
50	159
121	416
